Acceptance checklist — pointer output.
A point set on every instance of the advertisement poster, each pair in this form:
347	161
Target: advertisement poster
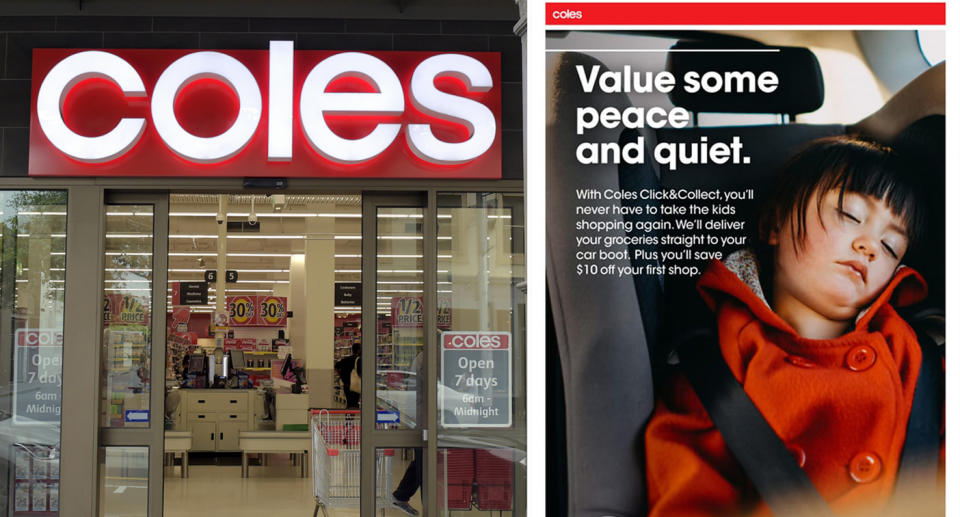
256	311
407	311
125	309
746	258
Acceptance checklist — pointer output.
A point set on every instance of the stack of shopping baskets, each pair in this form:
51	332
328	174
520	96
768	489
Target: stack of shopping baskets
481	478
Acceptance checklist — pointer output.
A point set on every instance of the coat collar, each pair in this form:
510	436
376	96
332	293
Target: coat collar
738	277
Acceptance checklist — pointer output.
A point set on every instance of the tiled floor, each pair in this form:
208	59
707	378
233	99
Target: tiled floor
277	489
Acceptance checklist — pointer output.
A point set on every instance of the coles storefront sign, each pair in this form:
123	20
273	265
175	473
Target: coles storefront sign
267	113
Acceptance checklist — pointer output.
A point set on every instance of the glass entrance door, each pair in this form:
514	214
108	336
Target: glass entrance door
396	381
444	418
132	355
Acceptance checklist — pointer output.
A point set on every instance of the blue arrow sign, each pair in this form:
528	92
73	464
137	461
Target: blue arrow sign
388	417
137	415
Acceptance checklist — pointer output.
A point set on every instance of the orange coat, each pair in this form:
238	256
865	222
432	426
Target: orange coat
840	405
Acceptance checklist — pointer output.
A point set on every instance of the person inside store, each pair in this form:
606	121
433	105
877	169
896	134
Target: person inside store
344	368
413	476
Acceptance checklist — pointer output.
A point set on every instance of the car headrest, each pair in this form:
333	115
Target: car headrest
800	81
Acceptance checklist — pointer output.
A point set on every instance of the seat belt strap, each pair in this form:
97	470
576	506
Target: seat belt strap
921	447
782	484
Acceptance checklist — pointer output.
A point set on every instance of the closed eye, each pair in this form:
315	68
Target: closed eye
890	250
848	215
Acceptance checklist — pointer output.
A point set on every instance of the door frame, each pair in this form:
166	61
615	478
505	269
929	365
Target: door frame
81	437
424	436
152	436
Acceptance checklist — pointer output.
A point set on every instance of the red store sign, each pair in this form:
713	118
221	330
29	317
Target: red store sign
477	340
265	113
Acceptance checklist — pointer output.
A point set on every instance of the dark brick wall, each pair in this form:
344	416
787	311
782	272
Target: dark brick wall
20	35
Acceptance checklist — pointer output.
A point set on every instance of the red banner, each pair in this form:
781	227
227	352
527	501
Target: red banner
256	311
746	13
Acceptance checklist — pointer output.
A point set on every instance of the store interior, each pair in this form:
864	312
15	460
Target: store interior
266	364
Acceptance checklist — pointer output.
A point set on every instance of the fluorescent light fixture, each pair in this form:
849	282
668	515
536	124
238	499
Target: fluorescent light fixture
259	254
329	215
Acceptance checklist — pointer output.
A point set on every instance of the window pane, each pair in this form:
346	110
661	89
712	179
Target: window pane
399	316
123	481
476	481
480	295
32	267
399	481
127	311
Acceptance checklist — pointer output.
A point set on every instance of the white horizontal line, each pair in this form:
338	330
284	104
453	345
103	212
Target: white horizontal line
679	50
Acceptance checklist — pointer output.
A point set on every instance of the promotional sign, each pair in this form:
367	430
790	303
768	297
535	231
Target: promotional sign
125	309
444	311
180	315
37	376
347	294
265	113
476	373
273	311
406	311
242	310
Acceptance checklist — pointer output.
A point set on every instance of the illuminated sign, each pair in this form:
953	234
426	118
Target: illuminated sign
268	113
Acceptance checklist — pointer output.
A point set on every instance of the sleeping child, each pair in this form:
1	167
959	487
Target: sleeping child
808	326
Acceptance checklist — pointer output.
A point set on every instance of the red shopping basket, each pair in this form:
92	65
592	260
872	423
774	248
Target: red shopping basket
459	478
494	475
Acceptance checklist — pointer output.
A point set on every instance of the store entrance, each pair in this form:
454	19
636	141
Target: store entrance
264	311
262	346
267	327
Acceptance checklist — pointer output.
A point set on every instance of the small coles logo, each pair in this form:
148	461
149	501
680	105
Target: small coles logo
475	340
272	113
567	14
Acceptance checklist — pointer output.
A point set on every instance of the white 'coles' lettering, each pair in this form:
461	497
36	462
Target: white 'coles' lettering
387	99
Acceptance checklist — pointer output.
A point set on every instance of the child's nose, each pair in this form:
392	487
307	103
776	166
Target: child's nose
865	246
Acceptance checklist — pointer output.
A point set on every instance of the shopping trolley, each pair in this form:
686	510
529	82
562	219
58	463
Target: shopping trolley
336	462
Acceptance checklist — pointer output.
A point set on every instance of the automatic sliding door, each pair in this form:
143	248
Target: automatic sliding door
132	356
395	386
481	286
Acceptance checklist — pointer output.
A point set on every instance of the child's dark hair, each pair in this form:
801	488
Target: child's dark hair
851	164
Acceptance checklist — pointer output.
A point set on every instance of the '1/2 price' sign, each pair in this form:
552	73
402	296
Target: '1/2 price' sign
476	379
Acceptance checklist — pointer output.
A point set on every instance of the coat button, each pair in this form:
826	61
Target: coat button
865	467
799	361
798	454
860	358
